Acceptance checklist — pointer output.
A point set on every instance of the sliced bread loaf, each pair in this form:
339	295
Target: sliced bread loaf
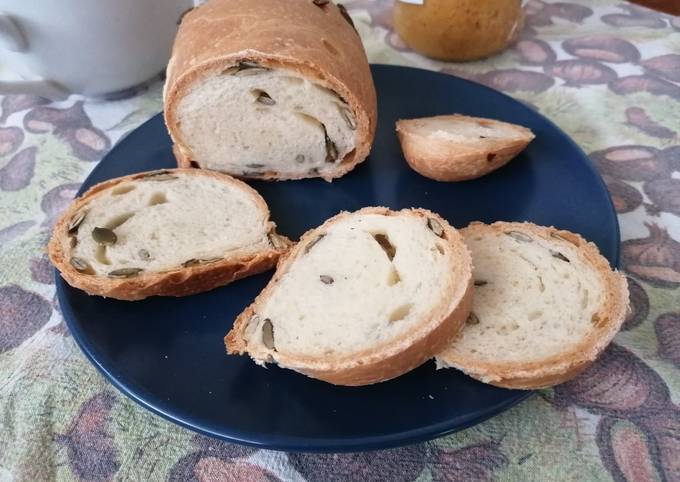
546	305
172	232
365	297
270	90
457	147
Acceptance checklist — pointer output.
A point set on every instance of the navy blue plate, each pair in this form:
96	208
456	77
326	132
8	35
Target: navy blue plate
167	354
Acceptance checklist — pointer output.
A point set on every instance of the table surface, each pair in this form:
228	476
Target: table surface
617	95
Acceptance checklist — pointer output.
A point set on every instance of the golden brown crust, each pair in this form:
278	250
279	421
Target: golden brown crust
381	362
454	160
178	282
572	360
313	41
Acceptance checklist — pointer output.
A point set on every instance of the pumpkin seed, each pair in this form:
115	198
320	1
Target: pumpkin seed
435	227
252	174
331	148
313	243
162	177
346	16
144	254
560	256
197	261
348	116
76	221
519	236
268	334
255	166
561	238
245	68
124	272
278	241
472	319
149	174
264	98
327	280
104	236
314	171
300	158
481	283
79	264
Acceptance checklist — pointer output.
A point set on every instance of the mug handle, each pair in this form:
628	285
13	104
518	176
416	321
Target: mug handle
12	39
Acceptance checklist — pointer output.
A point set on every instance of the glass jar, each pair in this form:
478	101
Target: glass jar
458	29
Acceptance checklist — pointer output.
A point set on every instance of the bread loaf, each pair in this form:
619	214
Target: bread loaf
172	232
457	147
270	89
546	305
363	298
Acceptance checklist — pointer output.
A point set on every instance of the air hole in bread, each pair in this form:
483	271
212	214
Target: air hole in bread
158	198
534	315
393	278
401	312
385	244
118	220
194	164
328	46
490	157
125	188
100	255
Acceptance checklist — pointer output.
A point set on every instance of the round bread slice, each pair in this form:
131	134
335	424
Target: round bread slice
546	305
361	299
457	147
172	232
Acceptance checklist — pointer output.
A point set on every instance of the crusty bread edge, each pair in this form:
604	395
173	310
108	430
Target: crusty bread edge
563	366
356	87
388	360
450	161
177	282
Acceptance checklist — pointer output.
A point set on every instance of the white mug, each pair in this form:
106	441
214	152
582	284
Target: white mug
90	47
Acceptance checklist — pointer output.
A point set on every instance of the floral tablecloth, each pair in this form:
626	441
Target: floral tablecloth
608	73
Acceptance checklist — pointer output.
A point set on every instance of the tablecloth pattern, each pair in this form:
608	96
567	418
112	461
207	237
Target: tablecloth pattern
607	73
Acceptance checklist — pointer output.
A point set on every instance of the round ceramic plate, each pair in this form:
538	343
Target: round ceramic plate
168	354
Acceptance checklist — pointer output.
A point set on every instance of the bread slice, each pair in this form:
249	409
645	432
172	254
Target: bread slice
546	305
270	90
361	299
173	232
457	147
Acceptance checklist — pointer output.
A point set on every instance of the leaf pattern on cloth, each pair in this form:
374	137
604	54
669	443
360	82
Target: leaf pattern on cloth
22	314
17	103
639	305
655	259
606	72
18	172
476	462
92	454
398	465
10	140
618	384
73	126
667	327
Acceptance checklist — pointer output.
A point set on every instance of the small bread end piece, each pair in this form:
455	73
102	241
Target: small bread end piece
457	147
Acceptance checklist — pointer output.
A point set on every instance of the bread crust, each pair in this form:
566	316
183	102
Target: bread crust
381	362
177	282
572	360
451	160
313	41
